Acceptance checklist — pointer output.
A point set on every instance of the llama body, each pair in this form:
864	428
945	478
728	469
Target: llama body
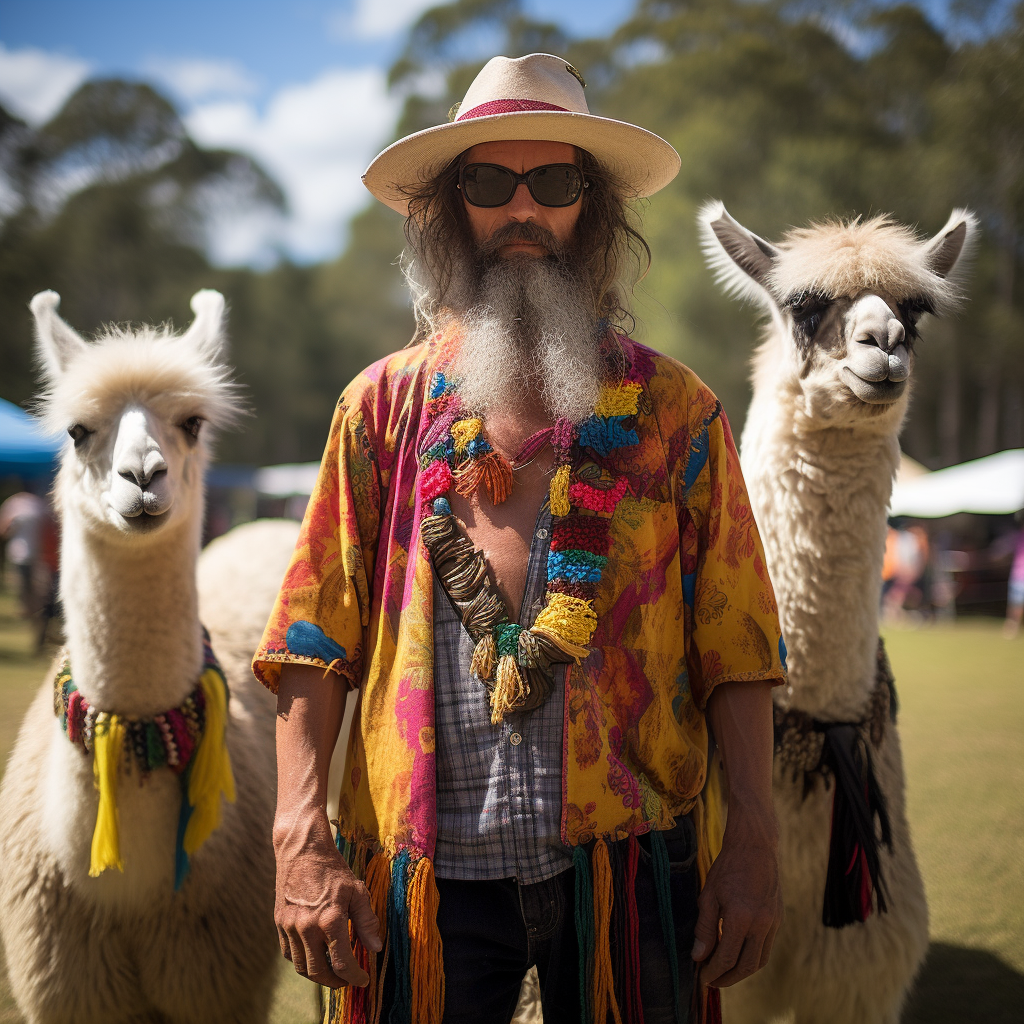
820	452
124	946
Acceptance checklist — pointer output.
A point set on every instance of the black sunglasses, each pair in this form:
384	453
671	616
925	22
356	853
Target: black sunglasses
493	185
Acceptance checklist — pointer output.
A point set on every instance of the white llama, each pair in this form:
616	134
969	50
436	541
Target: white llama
85	941
819	453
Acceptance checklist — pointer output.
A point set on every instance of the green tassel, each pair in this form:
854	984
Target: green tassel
584	925
663	892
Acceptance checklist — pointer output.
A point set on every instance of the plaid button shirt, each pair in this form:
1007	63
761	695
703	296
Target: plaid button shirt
499	787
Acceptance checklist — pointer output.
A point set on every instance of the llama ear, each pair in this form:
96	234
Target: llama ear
56	343
207	330
944	251
740	260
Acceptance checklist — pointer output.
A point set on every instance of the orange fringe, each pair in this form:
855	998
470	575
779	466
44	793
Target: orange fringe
426	964
378	879
603	981
492	469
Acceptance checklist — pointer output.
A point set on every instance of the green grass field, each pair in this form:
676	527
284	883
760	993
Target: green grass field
961	690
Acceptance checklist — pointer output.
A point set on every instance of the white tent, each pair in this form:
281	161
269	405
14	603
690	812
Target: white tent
993	485
290	480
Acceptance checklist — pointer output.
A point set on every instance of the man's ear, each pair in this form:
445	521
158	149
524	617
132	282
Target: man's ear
741	261
57	344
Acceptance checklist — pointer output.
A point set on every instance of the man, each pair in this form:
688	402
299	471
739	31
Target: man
530	549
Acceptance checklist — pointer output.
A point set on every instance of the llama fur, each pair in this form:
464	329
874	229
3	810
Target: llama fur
820	452
125	947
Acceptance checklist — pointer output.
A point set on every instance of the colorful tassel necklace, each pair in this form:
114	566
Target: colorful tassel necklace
188	739
514	661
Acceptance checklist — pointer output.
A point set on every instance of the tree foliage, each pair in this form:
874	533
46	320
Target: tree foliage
788	110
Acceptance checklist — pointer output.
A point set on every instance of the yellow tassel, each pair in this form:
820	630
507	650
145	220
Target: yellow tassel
211	770
715	810
559	494
700	825
568	622
604	981
425	954
618	399
463	432
106	843
485	658
509	691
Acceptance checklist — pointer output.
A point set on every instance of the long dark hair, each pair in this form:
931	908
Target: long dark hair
613	252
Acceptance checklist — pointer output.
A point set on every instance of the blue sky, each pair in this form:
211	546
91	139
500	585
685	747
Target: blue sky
300	85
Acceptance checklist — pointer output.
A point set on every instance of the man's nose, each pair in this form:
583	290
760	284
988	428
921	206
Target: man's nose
522	206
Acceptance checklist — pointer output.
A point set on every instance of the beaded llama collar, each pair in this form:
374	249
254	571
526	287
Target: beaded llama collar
188	739
512	660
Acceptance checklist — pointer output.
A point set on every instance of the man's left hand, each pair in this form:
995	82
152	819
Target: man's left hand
742	898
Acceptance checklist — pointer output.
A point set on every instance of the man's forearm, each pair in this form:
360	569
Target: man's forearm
740	714
310	708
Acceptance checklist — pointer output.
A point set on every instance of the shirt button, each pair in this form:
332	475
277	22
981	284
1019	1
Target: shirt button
515	739
542	534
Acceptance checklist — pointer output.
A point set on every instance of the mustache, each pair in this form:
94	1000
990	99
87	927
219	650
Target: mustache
526	231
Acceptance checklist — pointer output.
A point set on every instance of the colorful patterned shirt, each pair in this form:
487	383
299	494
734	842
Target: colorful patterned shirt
684	604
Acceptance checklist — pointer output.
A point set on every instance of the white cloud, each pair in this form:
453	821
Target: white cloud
377	19
196	79
316	140
34	83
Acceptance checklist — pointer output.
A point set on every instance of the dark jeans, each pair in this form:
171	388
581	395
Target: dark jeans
493	932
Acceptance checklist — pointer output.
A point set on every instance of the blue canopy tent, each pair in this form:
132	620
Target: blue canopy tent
25	450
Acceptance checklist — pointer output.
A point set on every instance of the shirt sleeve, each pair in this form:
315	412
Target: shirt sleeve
322	611
733	620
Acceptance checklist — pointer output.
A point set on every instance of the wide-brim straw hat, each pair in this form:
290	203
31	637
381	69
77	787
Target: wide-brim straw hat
539	96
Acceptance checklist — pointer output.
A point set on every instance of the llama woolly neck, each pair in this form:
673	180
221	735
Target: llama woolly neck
126	604
819	498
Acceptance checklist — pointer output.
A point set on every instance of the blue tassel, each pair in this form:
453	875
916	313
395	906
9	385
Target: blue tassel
398	931
310	641
438	385
181	861
584	925
441	507
663	892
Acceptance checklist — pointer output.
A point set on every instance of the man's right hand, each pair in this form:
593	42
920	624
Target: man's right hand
317	895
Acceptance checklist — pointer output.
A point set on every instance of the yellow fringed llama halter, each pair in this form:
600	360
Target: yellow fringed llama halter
190	740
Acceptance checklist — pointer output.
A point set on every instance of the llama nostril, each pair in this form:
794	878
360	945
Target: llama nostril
897	333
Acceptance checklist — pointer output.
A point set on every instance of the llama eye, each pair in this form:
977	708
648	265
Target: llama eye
911	310
807	310
79	434
191	426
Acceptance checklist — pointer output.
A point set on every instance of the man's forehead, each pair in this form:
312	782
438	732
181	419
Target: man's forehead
520	154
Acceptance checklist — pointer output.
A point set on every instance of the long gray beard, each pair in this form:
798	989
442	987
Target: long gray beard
530	329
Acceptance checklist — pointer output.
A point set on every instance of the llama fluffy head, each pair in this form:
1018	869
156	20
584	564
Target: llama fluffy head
136	405
844	300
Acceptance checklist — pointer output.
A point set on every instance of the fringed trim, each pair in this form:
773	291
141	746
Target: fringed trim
603	982
663	893
485	658
492	470
403	894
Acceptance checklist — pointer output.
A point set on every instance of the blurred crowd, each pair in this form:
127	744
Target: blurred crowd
929	575
31	543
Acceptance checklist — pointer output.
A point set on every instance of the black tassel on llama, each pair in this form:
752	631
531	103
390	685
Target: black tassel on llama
854	871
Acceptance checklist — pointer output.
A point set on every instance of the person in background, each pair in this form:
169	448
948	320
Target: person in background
1015	587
